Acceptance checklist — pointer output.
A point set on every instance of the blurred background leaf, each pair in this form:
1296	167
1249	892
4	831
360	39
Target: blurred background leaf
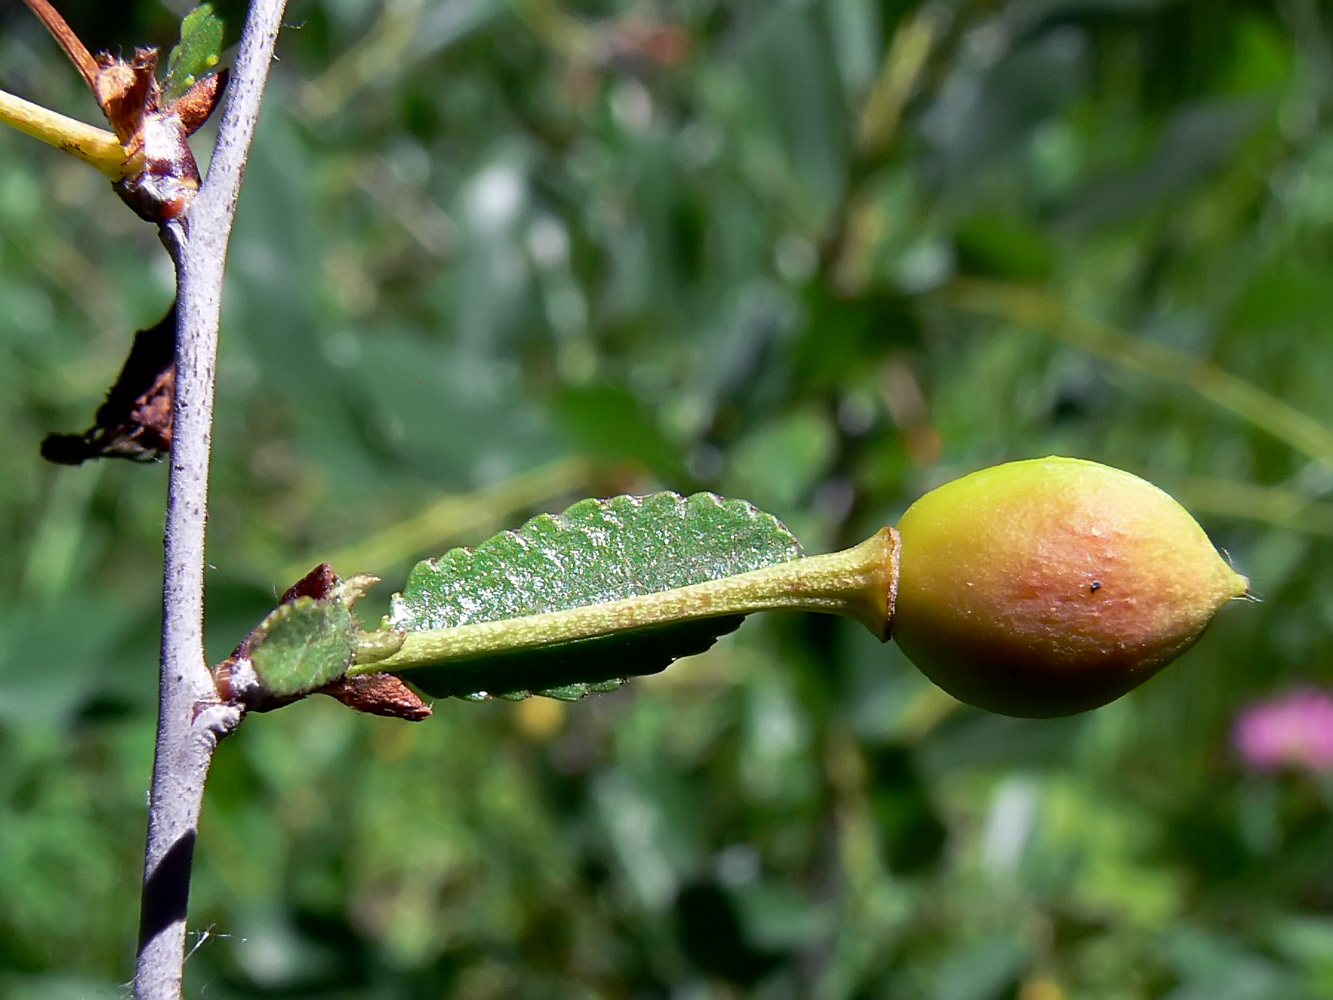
491	257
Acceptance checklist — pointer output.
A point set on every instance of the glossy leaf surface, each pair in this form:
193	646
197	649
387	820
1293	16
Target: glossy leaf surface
196	53
595	552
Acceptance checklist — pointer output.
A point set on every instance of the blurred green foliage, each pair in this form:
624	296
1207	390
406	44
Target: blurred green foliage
514	253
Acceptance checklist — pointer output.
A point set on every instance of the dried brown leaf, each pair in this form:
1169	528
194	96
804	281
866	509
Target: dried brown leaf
135	420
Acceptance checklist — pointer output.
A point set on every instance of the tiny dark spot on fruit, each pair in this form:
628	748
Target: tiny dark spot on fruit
1096	586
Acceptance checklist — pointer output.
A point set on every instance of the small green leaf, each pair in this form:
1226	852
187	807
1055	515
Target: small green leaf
199	49
596	552
303	645
309	640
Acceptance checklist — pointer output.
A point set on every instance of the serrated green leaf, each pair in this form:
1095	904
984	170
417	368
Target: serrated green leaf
597	551
198	51
303	645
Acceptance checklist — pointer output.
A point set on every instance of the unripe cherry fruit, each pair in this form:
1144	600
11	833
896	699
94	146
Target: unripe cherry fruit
1052	586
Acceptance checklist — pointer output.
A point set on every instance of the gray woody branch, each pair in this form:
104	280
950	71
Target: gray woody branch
190	719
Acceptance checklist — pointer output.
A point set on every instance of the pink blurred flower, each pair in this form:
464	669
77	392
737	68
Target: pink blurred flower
1292	730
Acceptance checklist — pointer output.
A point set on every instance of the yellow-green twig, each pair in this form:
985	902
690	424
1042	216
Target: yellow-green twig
92	145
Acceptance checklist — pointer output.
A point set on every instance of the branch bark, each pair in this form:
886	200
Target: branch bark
191	720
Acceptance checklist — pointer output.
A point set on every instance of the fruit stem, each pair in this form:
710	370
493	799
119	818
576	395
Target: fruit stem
860	583
88	143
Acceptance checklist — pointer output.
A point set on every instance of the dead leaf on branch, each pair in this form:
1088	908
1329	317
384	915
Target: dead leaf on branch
160	181
135	421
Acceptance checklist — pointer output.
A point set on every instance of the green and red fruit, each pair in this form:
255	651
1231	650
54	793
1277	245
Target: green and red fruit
1052	586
